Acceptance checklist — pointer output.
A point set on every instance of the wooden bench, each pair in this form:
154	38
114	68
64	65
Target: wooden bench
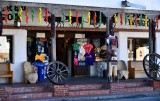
135	67
5	72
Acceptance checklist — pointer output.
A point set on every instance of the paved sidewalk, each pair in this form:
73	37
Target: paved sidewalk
109	97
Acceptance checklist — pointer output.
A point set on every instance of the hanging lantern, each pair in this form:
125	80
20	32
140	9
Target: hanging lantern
1	23
70	17
40	15
63	17
89	18
46	12
6	14
13	13
136	21
126	18
141	21
115	18
82	22
27	15
33	13
146	21
121	19
130	20
77	18
95	18
100	18
157	21
20	13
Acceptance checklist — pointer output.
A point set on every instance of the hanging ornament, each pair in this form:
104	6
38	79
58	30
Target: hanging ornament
63	17
13	13
115	18
95	18
77	18
136	21
40	15
100	18
126	18
1	22
20	13
82	22
121	19
130	20
141	21
70	17
46	16
146	21
27	15
157	21
89	18
6	14
33	13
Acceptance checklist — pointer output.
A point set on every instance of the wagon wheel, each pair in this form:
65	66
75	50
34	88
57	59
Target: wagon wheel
151	65
57	72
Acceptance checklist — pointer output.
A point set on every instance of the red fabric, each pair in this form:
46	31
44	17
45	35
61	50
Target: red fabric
77	17
27	15
94	18
88	47
46	15
121	19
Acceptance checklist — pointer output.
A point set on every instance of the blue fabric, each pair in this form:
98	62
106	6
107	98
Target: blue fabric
89	58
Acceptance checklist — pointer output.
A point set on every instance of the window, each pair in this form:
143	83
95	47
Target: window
6	49
137	48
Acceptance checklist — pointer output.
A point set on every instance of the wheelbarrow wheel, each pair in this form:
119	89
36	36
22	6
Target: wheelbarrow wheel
57	72
151	65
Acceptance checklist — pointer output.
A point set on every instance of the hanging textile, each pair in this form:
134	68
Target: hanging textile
146	21
136	21
115	19
130	20
20	13
70	17
13	13
33	14
46	15
157	21
27	15
6	14
1	23
95	18
77	18
53	29
126	18
63	17
82	22
89	18
121	19
100	18
141	21
40	15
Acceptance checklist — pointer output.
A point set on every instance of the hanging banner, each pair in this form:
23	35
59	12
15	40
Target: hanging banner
1	23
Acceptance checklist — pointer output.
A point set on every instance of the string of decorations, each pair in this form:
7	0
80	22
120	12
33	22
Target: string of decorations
13	13
27	17
77	18
82	22
121	19
6	14
33	14
95	18
130	20
46	15
136	20
40	15
20	13
100	18
89	18
70	17
146	21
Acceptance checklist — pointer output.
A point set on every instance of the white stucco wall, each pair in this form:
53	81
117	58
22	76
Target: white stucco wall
123	50
19	52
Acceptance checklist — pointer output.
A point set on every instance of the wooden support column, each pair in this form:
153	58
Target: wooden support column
53	11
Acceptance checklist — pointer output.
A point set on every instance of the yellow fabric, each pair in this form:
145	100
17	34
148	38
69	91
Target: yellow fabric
40	57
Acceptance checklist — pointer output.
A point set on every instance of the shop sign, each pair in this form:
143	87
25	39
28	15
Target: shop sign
79	35
40	35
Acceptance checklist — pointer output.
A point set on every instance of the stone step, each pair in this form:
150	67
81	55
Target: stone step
19	96
88	87
89	92
136	84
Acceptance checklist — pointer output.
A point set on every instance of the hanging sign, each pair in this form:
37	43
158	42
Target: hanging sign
40	35
1	23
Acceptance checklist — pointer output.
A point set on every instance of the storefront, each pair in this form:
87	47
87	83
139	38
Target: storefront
24	41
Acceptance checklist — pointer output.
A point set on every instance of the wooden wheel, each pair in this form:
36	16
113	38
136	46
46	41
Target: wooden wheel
57	72
151	65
